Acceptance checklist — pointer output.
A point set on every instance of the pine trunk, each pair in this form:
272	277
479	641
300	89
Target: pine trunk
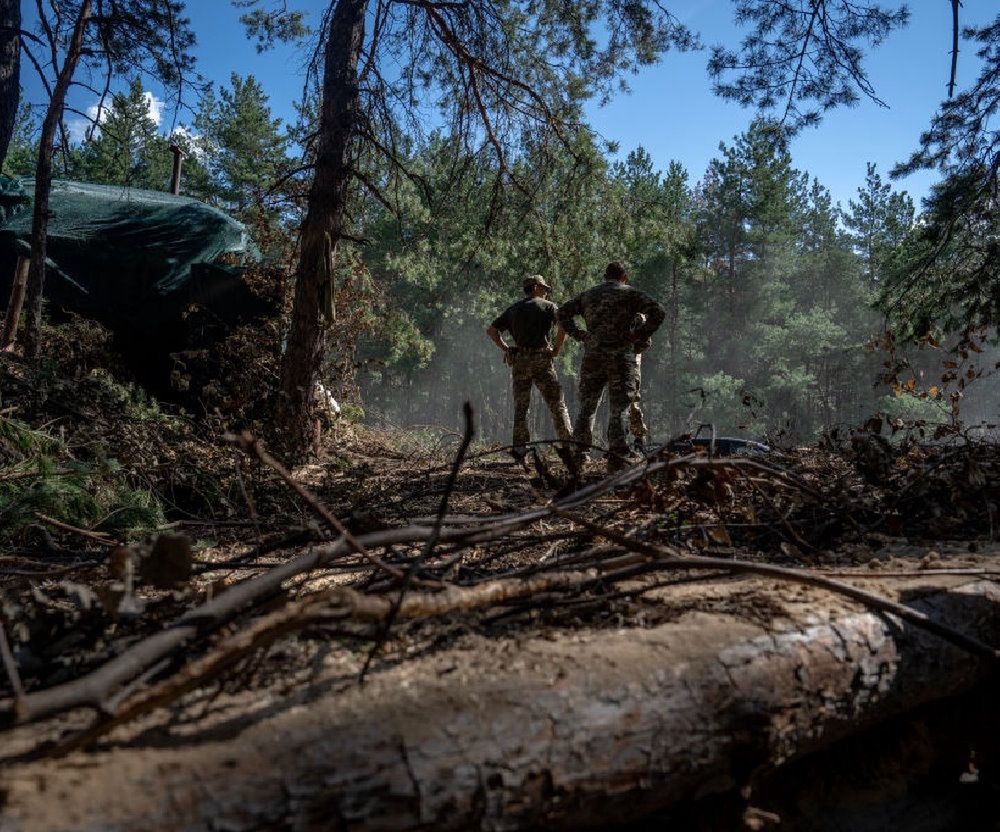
43	183
10	71
323	224
16	303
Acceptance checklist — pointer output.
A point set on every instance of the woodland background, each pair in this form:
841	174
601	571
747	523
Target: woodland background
773	292
424	177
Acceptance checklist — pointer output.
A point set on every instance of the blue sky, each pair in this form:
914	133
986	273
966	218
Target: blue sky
671	110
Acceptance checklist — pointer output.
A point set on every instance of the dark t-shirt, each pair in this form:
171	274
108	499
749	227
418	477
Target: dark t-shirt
529	321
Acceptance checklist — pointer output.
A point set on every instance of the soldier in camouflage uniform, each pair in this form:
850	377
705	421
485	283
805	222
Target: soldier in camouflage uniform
611	345
529	321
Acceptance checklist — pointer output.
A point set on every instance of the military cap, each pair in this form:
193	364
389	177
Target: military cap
532	279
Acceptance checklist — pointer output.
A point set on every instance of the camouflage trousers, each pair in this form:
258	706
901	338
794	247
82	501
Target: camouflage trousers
536	368
619	370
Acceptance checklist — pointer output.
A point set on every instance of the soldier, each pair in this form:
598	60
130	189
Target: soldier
609	356
529	321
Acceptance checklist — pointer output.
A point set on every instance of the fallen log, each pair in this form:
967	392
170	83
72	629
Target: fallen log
591	729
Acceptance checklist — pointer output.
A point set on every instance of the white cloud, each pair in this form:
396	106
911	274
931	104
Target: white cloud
155	106
186	132
78	127
92	113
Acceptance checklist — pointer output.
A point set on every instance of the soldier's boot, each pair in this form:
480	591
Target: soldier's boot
569	459
616	464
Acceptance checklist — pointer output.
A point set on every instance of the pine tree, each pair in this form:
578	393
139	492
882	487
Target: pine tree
948	273
125	148
879	221
247	150
10	72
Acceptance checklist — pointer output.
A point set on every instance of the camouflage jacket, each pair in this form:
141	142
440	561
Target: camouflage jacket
609	310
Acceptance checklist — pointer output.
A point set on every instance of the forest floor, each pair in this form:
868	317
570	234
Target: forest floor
460	566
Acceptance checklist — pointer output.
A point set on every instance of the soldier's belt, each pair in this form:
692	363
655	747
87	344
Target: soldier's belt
608	347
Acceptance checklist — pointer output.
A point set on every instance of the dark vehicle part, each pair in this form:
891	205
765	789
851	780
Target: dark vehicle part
715	445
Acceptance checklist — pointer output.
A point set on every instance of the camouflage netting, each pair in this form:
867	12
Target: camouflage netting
124	255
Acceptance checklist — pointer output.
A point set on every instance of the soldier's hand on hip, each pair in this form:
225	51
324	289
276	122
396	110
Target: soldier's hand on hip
639	344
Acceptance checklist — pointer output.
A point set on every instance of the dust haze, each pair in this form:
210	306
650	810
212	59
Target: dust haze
466	366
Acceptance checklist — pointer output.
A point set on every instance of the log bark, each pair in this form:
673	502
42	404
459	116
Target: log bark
323	226
592	729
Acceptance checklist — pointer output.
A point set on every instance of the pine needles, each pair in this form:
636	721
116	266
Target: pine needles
39	475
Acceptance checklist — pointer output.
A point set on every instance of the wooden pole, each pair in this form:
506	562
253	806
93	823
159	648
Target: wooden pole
175	176
15	304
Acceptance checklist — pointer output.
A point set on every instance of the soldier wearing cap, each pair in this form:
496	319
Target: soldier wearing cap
530	322
612	340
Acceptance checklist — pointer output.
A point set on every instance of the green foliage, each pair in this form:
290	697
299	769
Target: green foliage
879	222
126	148
40	476
22	154
18	440
722	403
911	408
245	150
802	59
352	413
768	306
128	398
272	25
947	272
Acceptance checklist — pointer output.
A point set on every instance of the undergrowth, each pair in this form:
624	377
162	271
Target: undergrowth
41	476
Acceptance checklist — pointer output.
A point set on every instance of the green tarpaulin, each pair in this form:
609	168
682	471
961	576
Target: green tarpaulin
120	254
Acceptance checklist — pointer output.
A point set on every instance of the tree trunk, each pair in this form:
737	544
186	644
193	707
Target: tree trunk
43	183
323	224
585	731
15	304
673	342
10	71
